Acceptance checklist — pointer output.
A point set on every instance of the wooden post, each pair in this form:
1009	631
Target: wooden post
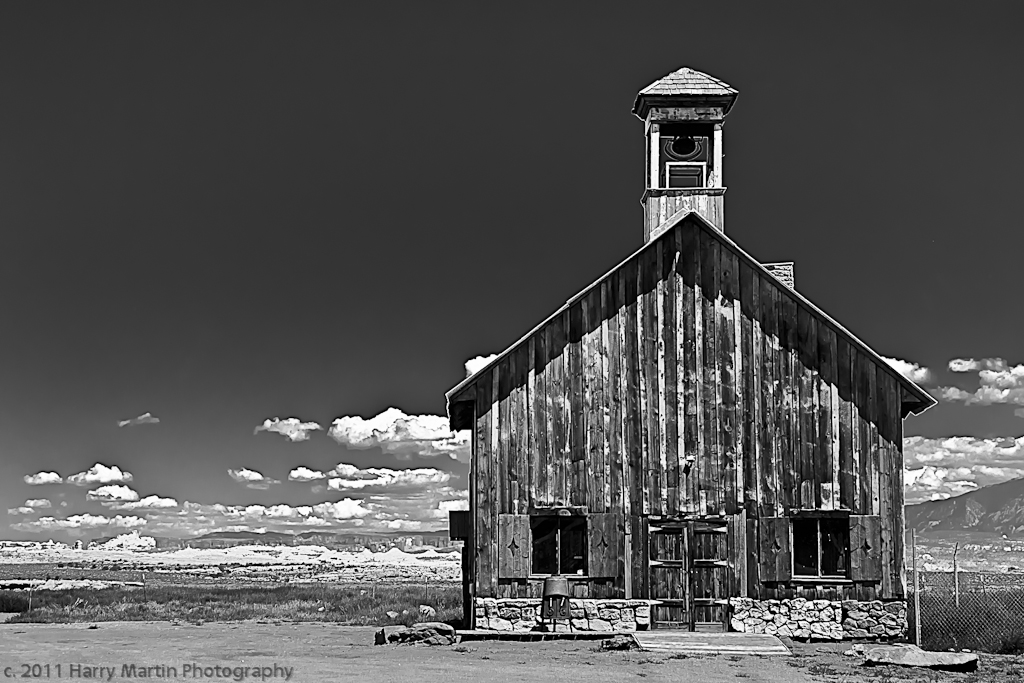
956	577
719	179
917	590
655	169
628	567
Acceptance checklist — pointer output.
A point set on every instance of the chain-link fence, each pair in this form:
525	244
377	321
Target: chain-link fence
968	610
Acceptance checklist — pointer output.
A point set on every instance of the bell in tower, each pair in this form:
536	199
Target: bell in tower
683	115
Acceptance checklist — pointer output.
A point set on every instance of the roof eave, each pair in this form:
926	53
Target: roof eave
645	102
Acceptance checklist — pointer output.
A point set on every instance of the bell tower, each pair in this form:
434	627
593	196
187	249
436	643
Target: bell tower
683	114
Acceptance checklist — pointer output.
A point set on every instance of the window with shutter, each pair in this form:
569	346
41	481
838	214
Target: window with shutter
776	556
820	546
865	548
559	544
514	561
606	544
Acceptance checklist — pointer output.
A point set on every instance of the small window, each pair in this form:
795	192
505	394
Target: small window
559	545
821	547
681	174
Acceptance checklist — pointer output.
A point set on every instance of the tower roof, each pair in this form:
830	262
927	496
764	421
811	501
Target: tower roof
685	86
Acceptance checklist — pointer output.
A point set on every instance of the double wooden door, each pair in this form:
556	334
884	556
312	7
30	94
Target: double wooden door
690	574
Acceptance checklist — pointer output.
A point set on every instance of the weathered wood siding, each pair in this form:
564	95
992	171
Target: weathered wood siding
688	382
660	204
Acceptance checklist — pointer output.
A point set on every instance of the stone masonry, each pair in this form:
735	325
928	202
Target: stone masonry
797	618
523	614
820	619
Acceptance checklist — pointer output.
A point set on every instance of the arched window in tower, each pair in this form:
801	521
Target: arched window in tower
685	147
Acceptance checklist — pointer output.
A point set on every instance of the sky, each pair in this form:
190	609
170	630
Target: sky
248	246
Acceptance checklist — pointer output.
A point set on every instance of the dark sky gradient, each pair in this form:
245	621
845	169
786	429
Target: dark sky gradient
224	212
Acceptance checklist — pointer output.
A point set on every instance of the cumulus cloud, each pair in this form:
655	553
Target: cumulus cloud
346	508
305	474
447	506
147	503
474	365
998	382
291	428
85	521
345	477
100	474
971	365
953	394
38	503
937	483
144	419
402	435
405	525
912	371
404	508
202	518
112	493
41	478
944	467
23	510
252	479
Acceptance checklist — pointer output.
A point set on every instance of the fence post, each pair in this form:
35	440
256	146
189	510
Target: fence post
956	578
917	591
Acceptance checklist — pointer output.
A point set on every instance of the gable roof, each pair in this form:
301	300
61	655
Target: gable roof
925	400
685	83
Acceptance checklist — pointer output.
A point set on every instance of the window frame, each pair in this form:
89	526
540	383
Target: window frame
818	519
702	165
560	520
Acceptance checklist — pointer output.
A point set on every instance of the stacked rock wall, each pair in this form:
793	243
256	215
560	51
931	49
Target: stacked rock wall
523	614
797	618
820	619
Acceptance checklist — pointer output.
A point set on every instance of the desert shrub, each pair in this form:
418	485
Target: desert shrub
1011	644
11	601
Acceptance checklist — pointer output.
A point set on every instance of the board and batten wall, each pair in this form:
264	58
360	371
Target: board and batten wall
687	381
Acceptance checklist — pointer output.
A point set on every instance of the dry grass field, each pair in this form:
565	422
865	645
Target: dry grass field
302	602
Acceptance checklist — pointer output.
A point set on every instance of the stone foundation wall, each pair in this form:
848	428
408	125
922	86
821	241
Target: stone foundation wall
797	618
820	619
523	614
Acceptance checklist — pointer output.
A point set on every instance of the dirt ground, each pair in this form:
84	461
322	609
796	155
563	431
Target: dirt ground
326	652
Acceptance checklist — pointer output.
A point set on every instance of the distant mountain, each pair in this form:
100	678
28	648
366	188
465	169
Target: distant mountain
267	538
998	508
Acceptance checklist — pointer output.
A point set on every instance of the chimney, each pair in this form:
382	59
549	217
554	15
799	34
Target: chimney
783	272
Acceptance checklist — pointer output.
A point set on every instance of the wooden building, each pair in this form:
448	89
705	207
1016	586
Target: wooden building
688	428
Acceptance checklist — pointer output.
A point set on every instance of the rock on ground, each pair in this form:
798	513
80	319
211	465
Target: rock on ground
620	643
911	655
426	633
